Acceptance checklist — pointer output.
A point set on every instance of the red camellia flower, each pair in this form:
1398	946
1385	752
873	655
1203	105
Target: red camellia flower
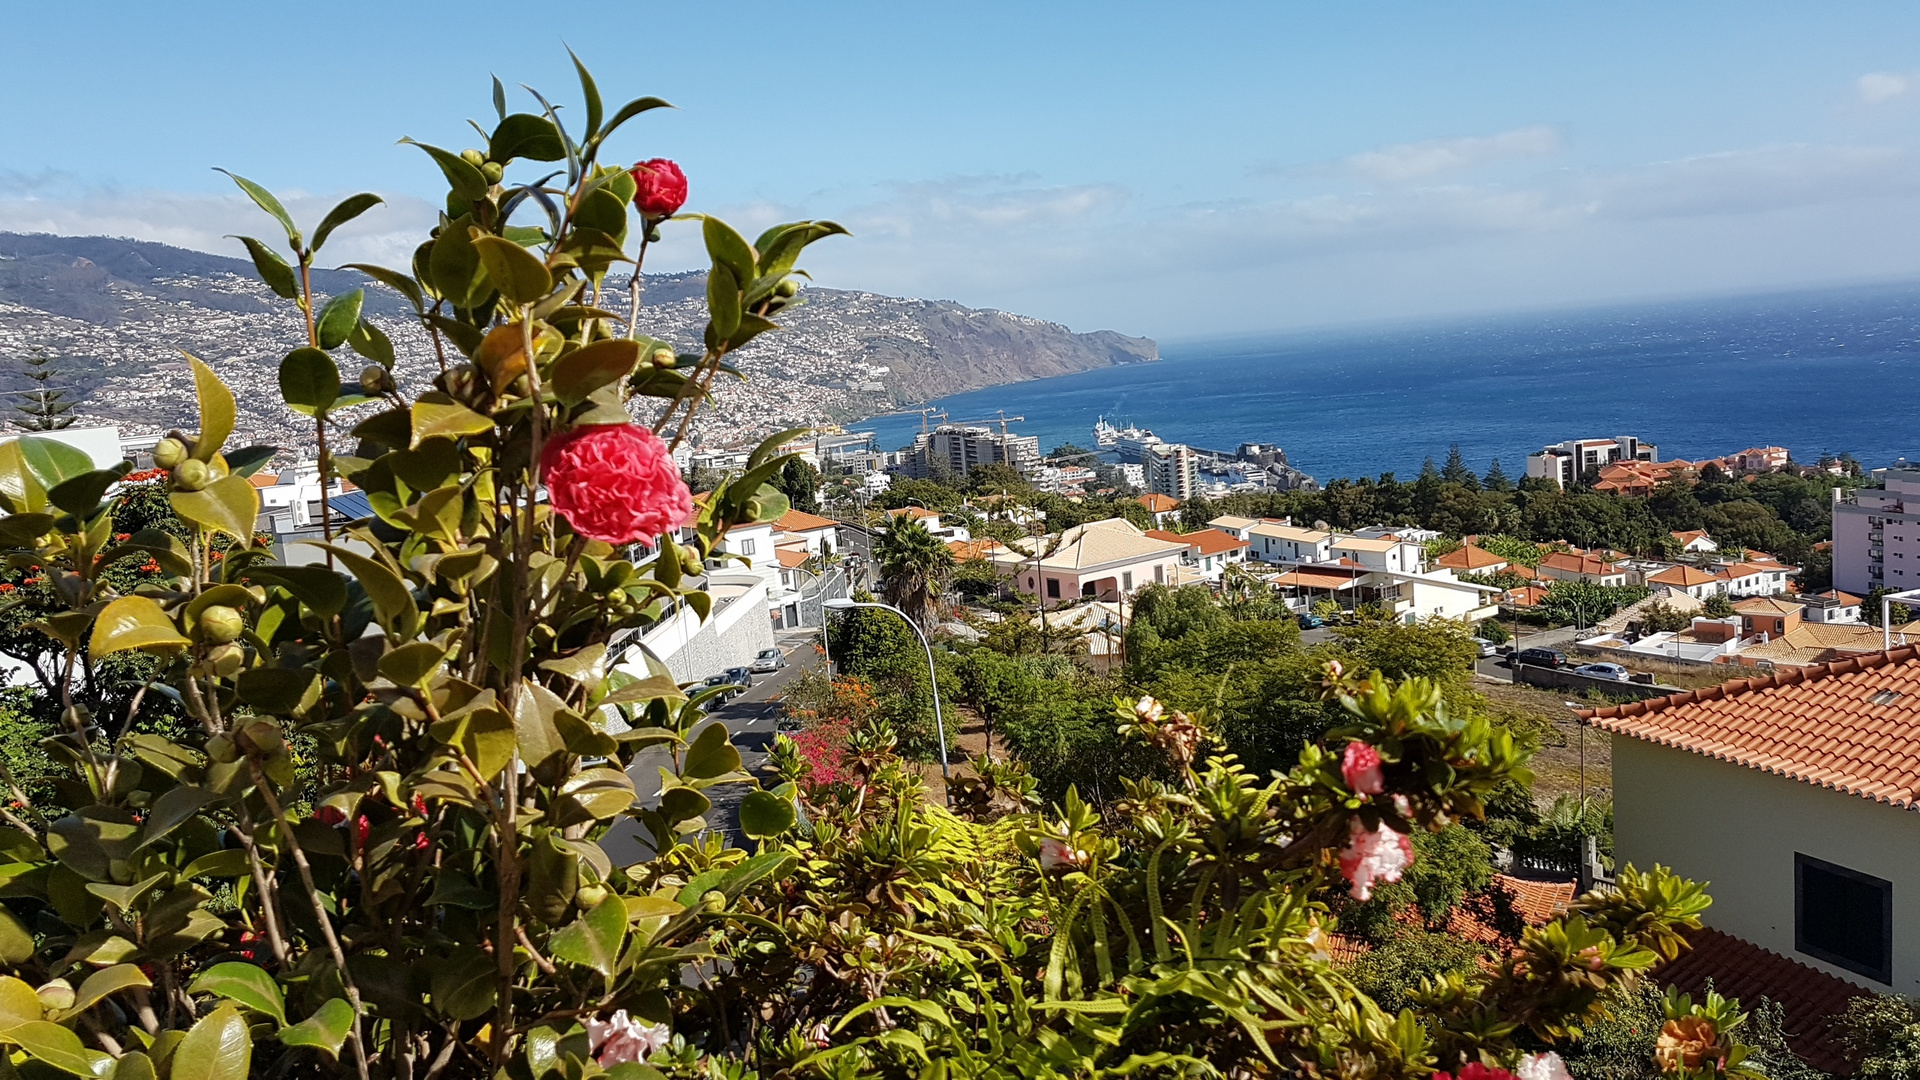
1360	767
330	815
362	828
660	189
615	483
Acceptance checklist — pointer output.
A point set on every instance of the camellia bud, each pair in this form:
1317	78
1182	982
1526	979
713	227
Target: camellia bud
492	171
264	737
473	157
590	896
375	380
221	749
787	289
169	452
226	660
662	358
220	624
192	475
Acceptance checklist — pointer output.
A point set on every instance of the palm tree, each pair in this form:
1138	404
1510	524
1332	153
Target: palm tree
915	568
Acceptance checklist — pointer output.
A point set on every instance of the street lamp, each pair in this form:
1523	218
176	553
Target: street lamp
843	603
826	649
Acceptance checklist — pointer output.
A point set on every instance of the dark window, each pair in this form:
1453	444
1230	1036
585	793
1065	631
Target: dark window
1843	917
1053	588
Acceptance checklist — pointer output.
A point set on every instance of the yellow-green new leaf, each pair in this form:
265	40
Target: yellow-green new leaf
18	1002
134	622
16	945
392	600
229	505
216	409
325	1030
217	1048
445	419
54	1045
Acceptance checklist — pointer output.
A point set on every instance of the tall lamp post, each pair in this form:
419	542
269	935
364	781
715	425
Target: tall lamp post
843	603
826	650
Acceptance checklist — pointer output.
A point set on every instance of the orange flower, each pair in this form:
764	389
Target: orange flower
1685	1043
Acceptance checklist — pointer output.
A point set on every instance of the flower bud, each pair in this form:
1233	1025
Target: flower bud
220	624
192	475
787	289
376	380
264	737
221	749
713	900
590	896
169	452
662	358
473	157
492	172
225	661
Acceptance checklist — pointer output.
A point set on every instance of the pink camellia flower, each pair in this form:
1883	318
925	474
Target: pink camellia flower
660	189
615	483
1547	1066
1360	766
1055	855
622	1039
1477	1071
1373	855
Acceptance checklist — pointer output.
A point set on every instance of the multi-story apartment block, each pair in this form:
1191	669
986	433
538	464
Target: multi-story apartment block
955	450
1565	463
1171	469
1876	534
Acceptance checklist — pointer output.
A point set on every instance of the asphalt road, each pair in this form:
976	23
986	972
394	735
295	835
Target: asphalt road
1493	667
750	718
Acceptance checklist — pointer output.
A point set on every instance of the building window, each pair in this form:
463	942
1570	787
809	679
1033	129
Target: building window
1844	917
746	547
1159	574
1126	580
1053	588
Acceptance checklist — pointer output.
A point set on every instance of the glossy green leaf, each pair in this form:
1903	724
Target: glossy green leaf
134	622
523	135
309	381
216	410
326	1030
52	462
102	983
135	1065
373	343
247	460
16	943
579	373
18	1002
81	495
217	1048
455	267
466	181
518	273
464	985
226	863
273	690
602	211
54	1045
764	815
272	268
412	663
321	589
264	200
723	300
533	723
712	754
395	280
349	208
392	600
338	318
728	248
172	809
229	505
630	110
591	93
594	939
437	417
245	983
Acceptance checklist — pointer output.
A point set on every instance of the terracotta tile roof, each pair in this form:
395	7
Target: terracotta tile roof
264	479
1811	999
1846	725
1838	597
1568	562
1684	577
913	512
1318	577
1525	596
1203	541
791	557
1470	557
801	521
1157	503
1691	535
1766	605
1527	572
1743	569
1098	543
969	550
1535	902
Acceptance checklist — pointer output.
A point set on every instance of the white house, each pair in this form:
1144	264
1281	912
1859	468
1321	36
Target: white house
1794	794
1832	606
1276	543
1753	579
1381	553
1238	527
1209	551
814	532
1100	560
1696	542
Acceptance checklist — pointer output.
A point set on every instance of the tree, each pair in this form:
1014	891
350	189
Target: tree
1718	607
1456	471
1496	478
45	406
800	483
915	569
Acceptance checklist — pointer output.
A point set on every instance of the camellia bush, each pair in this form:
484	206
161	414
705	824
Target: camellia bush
373	846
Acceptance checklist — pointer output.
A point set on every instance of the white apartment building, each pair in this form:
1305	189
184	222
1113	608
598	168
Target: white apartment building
1276	543
1876	535
1171	469
1382	553
1565	463
956	449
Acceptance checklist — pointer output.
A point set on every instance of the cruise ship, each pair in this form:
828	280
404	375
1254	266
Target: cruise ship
1129	442
1105	434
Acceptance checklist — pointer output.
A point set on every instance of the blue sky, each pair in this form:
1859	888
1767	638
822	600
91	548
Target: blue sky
1182	171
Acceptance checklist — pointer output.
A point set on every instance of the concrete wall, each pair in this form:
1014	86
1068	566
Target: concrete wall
1738	829
693	650
1566	679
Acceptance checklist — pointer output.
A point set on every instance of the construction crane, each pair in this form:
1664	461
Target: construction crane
1002	419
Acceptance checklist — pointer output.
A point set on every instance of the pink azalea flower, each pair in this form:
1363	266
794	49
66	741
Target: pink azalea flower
1360	767
1373	855
1547	1066
621	1039
1148	710
1055	855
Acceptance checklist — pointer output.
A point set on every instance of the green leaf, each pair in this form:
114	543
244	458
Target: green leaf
52	462
338	318
436	416
16	944
321	589
272	269
226	863
373	343
464	984
712	754
216	410
533	723
309	380
410	664
728	248
723	300
351	207
104	982
630	110
81	495
518	273
466	180
579	373
764	815
273	690
62	1049
172	809
133	622
229	505
524	135
245	983
217	1048
591	93
134	1065
395	280
21	530
594	939
392	600
264	200
247	460
18	1002
455	266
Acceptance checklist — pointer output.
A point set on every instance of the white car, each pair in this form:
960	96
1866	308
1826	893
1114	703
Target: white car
768	660
1487	648
1604	671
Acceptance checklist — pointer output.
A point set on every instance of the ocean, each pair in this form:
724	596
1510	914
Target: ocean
1819	372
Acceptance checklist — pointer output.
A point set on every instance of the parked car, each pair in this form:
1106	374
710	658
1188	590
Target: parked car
1541	658
767	660
1310	621
729	690
1604	671
1487	648
739	676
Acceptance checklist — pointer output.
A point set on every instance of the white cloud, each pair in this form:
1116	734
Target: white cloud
1880	86
1403	163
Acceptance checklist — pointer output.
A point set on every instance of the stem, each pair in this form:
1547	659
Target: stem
634	285
269	893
